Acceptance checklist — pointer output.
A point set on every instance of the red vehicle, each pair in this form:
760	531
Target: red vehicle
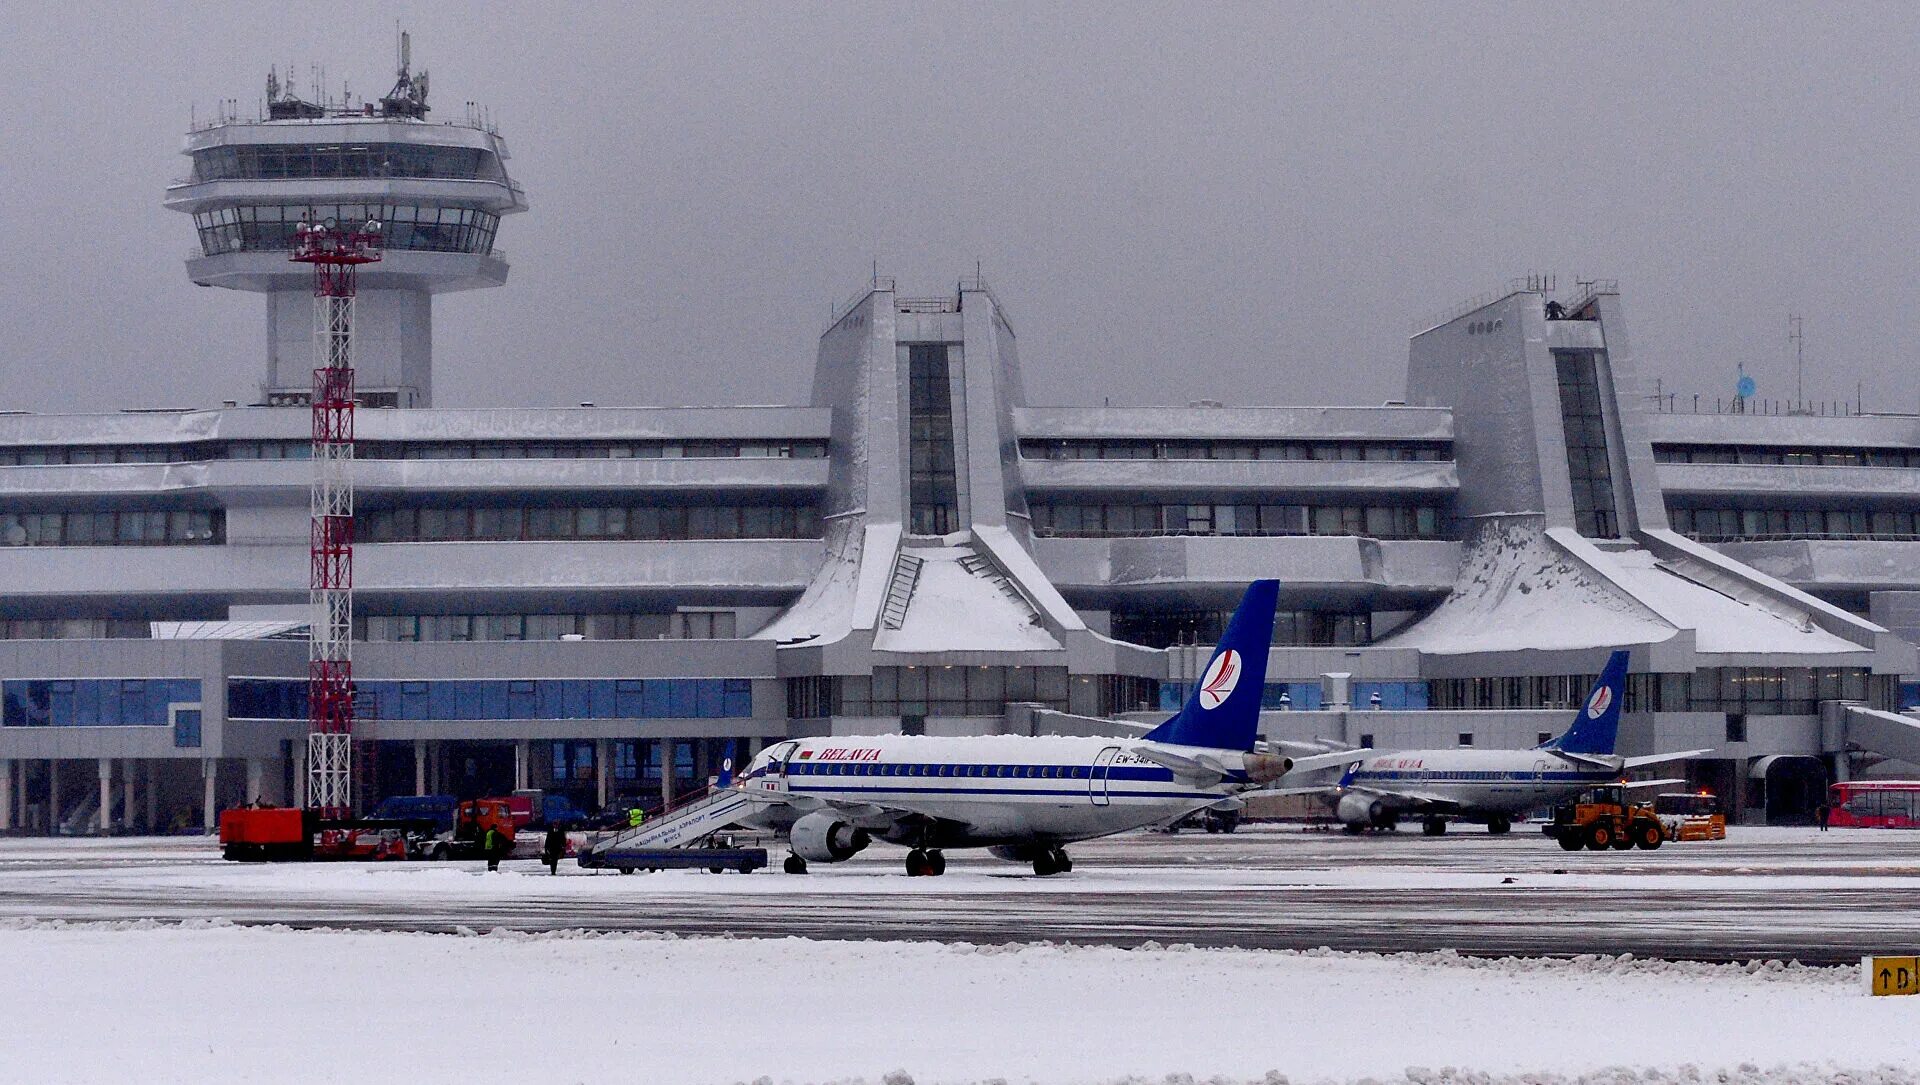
1875	804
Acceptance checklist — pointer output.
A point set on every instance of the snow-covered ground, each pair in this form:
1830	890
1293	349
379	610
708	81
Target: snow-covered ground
209	1002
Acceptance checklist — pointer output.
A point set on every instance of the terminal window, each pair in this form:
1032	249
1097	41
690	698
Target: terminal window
933	495
1588	467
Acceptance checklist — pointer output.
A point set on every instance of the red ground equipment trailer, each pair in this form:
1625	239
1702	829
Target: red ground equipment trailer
285	834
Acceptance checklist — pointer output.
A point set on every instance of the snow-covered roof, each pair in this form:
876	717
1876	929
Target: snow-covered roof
1522	588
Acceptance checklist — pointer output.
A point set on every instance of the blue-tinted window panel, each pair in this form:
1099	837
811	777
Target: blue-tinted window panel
739	698
682	700
657	704
186	728
710	698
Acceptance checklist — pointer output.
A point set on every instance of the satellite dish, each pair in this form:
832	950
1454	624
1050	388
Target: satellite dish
1746	388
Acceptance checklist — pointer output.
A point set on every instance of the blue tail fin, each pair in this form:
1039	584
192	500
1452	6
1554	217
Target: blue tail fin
726	767
1223	712
1598	724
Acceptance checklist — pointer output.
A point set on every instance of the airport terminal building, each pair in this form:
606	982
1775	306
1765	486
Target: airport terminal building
598	599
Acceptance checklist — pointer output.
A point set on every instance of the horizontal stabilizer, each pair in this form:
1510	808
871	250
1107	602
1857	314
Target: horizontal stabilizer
1200	771
1637	785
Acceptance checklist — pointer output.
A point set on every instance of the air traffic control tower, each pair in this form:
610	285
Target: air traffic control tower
438	188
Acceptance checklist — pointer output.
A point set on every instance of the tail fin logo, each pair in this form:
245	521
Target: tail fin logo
1598	704
1222	675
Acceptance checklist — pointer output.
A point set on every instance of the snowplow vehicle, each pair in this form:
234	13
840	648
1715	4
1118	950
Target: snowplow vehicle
1691	815
1603	819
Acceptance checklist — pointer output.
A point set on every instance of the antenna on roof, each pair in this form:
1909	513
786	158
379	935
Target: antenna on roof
408	98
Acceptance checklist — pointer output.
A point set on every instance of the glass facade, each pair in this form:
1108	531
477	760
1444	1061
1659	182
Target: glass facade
775	449
75	628
1787	455
508	699
1395	696
1141	448
95	702
926	691
933	489
682	625
141	527
1759	524
1054	518
1763	691
435	523
1293	628
1588	465
424	228
200	451
294	161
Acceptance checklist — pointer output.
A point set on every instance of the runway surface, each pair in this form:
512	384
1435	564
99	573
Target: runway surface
1764	893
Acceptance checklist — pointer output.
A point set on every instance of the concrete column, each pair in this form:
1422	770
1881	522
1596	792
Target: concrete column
666	771
152	774
53	795
127	769
6	794
420	767
106	795
523	764
209	777
601	749
255	772
300	773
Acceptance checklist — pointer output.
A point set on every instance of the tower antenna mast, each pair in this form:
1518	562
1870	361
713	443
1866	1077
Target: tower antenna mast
336	252
1795	336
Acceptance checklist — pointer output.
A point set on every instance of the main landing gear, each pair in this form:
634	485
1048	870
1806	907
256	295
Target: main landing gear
1053	861
795	865
926	863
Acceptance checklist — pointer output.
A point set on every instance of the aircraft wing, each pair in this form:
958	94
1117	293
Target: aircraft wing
1418	801
1658	758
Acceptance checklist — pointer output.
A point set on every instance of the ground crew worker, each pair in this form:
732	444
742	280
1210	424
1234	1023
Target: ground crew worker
1823	812
491	846
635	816
554	848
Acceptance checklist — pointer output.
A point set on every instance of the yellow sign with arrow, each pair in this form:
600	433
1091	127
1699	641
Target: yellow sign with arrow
1891	975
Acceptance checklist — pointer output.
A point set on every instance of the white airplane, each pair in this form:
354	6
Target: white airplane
1022	798
1493	786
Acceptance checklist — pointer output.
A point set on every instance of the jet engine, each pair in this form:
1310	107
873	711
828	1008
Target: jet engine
820	837
1357	809
1264	768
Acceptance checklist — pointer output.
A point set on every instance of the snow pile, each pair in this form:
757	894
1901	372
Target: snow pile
954	610
215	1002
1518	590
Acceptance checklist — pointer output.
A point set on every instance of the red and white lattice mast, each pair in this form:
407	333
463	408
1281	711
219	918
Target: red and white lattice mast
336	253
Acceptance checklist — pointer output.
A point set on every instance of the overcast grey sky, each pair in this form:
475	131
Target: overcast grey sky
1244	203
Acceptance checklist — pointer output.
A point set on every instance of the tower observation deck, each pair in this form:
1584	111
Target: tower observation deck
438	188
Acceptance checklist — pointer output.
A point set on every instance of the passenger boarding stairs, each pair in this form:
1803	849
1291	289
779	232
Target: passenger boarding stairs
680	827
